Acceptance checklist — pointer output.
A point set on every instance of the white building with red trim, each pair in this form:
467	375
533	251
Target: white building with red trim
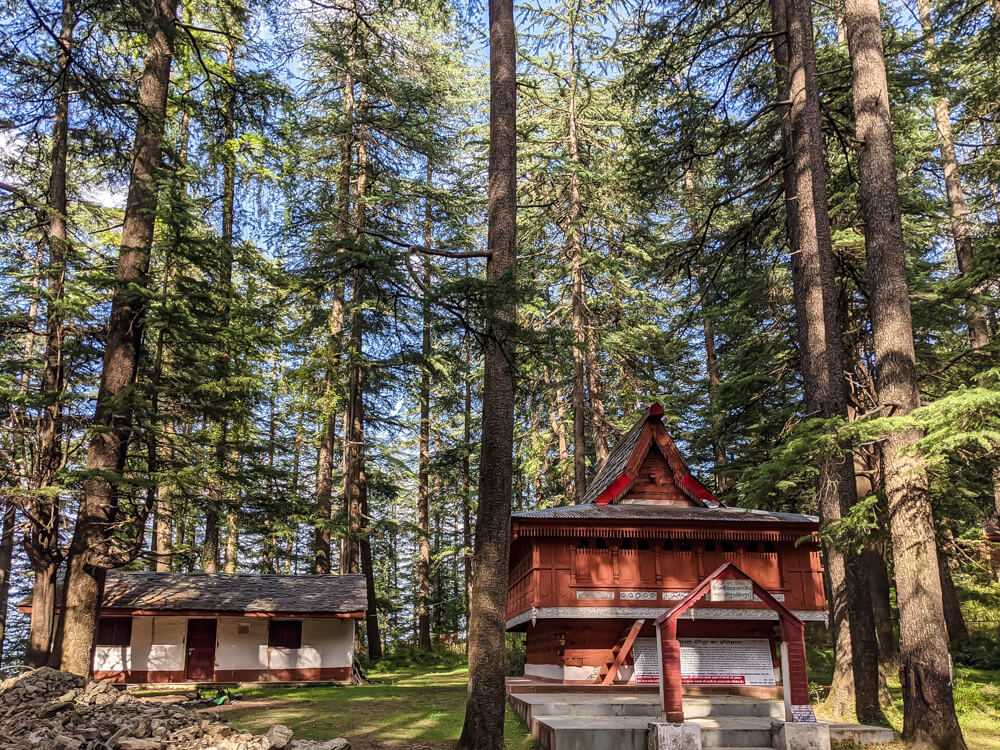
209	628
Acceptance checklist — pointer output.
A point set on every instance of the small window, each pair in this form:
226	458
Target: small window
114	631
583	544
641	544
600	544
626	544
728	547
769	547
710	546
284	633
685	545
751	546
668	545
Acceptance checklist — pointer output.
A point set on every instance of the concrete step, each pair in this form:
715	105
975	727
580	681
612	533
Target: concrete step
592	733
734	731
697	707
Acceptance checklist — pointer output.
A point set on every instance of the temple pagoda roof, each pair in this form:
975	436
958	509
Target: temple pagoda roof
646	439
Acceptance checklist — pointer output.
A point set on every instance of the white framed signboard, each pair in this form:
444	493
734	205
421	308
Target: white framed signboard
726	661
647	662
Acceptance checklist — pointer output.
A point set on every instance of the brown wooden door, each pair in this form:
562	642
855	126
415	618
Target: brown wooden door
200	664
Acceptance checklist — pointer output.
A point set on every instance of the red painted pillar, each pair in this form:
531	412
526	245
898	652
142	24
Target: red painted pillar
793	635
670	672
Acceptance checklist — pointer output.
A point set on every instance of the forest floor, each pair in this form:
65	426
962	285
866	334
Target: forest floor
977	701
419	707
423	708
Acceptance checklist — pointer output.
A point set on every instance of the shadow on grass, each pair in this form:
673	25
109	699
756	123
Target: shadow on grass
414	705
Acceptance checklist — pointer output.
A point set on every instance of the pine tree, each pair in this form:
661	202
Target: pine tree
928	704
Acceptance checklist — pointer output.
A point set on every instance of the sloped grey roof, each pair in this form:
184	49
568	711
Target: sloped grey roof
225	592
613	468
629	511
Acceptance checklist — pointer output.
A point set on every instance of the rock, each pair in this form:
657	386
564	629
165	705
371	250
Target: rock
136	743
278	736
44	709
336	744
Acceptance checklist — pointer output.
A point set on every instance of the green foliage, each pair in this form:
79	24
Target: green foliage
404	655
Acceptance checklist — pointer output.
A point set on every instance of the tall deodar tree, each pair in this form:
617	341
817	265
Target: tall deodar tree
928	704
484	712
93	548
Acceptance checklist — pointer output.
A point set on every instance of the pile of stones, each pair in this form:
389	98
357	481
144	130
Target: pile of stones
51	710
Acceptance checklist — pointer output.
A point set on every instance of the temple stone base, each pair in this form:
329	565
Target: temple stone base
788	736
664	736
628	721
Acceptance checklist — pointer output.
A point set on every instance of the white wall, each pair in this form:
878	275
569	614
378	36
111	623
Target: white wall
157	644
626	672
325	643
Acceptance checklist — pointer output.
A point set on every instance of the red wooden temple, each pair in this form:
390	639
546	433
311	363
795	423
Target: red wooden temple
652	574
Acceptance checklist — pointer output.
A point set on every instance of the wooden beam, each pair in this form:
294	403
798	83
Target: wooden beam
609	679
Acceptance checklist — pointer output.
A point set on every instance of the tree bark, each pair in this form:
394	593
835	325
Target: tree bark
885	630
467	473
484	712
210	544
354	440
328	443
423	470
928	704
852	622
954	620
6	555
578	301
90	549
599	423
42	541
225	500
961	230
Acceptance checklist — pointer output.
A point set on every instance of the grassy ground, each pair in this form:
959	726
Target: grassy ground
420	708
977	701
423	708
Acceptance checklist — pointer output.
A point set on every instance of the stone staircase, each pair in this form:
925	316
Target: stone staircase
619	721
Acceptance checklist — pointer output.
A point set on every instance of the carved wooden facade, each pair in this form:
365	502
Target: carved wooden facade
582	576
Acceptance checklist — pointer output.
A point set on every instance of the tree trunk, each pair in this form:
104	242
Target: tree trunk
557	418
225	500
578	301
43	619
954	620
885	630
232	538
42	540
354	441
928	704
89	554
961	230
368	568
210	545
423	471
599	421
484	712
6	555
324	469
163	519
467	474
815	290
